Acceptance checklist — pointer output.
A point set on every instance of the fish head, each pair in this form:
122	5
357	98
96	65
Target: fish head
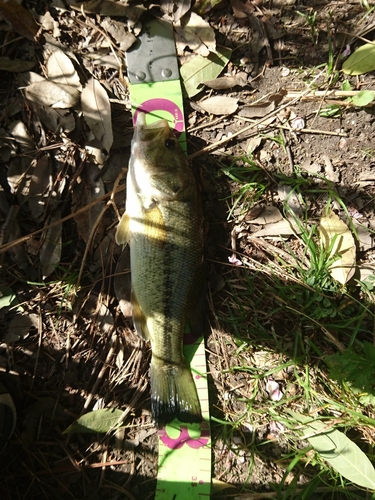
160	167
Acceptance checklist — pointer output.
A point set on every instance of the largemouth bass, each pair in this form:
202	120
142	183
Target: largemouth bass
163	225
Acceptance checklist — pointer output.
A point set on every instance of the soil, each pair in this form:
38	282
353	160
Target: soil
77	350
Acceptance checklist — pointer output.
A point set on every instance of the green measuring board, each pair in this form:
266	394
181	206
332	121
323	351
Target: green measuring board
184	465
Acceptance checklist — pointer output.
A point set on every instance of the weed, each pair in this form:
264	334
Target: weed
309	318
356	367
369	152
310	19
250	183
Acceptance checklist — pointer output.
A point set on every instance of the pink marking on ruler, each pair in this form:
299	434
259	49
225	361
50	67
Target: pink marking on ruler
159	104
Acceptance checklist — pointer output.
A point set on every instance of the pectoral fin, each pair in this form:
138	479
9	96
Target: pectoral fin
123	232
154	225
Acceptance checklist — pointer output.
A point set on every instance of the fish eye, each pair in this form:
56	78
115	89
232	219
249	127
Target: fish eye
170	143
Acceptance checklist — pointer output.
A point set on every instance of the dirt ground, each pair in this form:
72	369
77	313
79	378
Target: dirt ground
76	351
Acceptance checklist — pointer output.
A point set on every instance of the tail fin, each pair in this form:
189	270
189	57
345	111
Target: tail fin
173	394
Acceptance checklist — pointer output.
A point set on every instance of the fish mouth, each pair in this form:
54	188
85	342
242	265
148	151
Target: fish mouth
149	133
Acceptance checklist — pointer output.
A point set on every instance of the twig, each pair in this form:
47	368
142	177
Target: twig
316	131
89	241
99	378
315	94
40	341
288	151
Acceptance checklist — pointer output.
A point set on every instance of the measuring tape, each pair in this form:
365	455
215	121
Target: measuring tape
184	464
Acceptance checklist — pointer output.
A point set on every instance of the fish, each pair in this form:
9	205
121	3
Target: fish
162	224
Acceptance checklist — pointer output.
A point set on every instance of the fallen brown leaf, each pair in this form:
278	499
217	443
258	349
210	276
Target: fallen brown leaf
19	18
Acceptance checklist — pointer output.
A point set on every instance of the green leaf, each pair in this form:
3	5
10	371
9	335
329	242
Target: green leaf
95	421
346	85
363	98
200	69
356	367
7	298
339	451
331	111
361	61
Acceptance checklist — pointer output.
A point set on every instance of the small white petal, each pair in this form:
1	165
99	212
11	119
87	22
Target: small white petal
298	123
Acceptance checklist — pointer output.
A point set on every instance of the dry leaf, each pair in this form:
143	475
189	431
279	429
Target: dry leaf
285	227
227	82
331	175
269	215
197	34
253	144
40	182
19	131
52	94
20	325
242	10
19	18
365	237
337	239
219	105
47	21
175	8
118	31
288	195
110	8
97	112
106	60
17	177
56	120
257	111
60	69
29	77
18	252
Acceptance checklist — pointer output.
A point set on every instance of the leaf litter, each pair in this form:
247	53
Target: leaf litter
55	145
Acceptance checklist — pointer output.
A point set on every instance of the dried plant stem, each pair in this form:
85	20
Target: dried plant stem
99	377
318	94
